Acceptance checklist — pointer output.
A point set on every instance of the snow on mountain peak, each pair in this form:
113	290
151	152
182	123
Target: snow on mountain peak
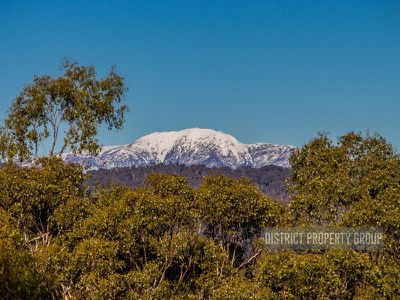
194	146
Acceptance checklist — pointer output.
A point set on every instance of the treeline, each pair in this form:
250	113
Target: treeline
269	179
168	240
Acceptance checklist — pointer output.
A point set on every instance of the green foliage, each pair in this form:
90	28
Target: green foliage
353	183
33	195
235	204
19	276
269	179
327	179
241	288
76	102
335	274
167	240
330	275
235	212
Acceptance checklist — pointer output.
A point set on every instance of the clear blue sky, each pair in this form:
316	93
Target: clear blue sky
276	71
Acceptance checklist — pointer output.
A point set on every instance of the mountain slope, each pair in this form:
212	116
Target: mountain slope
193	146
269	179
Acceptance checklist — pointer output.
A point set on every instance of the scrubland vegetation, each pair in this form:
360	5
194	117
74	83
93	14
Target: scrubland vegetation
167	240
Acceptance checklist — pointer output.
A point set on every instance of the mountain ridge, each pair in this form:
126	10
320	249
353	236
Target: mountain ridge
193	146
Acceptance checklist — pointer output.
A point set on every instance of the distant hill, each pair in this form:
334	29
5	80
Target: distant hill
270	179
188	147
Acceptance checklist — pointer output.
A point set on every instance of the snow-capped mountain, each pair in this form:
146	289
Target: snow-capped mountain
193	146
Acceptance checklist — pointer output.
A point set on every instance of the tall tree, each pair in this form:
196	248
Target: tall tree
65	112
328	180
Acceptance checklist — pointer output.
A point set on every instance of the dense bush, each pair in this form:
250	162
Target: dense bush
168	240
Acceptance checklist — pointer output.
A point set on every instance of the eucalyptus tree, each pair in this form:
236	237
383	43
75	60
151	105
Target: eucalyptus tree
63	112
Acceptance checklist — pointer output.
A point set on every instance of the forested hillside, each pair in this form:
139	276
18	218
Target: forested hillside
270	179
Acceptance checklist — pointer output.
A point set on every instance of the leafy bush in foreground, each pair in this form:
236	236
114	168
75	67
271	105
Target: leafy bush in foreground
168	240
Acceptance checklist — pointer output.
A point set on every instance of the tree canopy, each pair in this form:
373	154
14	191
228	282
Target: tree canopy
64	112
168	240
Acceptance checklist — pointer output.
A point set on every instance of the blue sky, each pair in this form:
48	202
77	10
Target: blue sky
276	71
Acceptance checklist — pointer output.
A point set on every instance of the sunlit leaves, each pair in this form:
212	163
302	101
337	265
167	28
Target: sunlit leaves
328	179
65	111
167	240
